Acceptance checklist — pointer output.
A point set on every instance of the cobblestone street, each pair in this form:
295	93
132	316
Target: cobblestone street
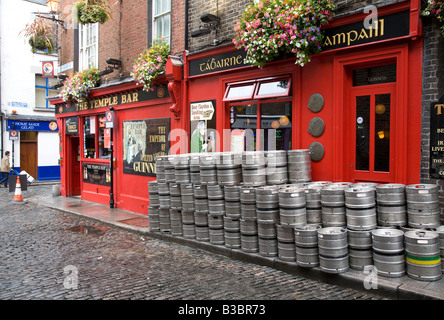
41	259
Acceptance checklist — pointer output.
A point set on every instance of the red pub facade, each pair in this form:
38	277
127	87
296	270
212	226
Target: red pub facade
356	106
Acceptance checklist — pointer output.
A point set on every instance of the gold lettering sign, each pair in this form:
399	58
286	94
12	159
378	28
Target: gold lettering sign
115	100
219	62
391	26
438	108
348	38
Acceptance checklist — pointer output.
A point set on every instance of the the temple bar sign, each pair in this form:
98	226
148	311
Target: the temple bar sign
384	27
118	99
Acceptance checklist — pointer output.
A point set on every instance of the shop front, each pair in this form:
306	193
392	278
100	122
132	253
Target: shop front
109	143
356	105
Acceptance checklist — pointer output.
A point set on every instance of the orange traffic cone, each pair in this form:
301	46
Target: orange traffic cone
18	191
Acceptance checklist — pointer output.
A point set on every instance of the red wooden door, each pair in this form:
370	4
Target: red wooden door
372	133
74	184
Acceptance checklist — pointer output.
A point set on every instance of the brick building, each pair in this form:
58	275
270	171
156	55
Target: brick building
87	145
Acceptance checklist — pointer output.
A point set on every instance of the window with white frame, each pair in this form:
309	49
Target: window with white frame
88	45
162	20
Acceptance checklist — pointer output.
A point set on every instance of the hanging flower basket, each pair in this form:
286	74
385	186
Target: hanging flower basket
150	64
92	11
41	36
435	8
76	88
270	29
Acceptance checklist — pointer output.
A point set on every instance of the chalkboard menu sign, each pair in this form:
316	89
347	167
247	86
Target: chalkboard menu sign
437	139
143	141
97	174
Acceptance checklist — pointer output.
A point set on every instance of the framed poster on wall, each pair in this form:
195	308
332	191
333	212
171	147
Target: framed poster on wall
143	141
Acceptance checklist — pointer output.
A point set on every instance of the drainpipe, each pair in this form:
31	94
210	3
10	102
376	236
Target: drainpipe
186	25
76	47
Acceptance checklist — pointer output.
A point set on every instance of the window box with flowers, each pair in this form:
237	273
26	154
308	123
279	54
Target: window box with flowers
92	11
151	64
41	36
435	8
76	88
271	29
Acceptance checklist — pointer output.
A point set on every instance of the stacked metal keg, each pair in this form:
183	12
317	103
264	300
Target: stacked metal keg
195	168
333	249
232	201
422	254
248	220
216	212
313	201
232	216
440	231
182	168
253	168
388	252
360	204
333	205
181	175
360	249
266	203
267	212
391	206
286	242
423	206
229	168
292	206
201	212
153	208
299	165
306	241
276	170
170	172
208	170
187	196
176	222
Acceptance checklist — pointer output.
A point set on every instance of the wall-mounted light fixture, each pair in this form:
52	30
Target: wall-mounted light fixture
60	77
113	64
211	22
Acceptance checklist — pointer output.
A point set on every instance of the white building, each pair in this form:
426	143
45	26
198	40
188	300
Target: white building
23	90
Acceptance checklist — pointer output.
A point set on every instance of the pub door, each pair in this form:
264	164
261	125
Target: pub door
73	170
371	156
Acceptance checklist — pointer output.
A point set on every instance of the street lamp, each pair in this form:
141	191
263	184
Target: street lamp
53	6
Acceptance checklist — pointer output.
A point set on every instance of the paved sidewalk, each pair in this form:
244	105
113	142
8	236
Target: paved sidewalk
396	288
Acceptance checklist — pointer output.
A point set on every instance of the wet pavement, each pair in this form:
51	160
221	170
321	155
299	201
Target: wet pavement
53	255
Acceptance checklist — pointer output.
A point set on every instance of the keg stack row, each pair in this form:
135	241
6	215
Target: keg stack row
266	203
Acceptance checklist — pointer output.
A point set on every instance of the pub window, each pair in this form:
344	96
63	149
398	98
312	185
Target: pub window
257	89
89	137
96	138
104	138
263	121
